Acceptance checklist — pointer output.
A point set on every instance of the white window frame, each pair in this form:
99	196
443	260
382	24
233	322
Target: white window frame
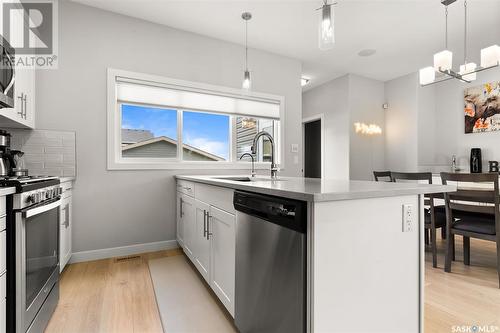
115	161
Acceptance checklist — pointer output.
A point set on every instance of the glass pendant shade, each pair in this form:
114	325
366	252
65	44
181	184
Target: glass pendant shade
443	60
247	82
468	68
427	75
490	56
326	28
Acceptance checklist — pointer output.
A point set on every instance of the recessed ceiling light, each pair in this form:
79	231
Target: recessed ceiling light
304	81
367	52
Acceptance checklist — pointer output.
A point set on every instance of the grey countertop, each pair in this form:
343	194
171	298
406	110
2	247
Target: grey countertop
317	190
6	191
67	179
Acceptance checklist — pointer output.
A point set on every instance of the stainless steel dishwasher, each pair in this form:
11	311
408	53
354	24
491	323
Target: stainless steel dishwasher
270	264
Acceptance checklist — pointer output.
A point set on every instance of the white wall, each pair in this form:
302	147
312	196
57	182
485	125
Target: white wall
332	100
401	124
119	208
367	153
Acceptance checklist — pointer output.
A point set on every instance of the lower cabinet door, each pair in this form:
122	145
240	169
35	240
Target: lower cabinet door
188	225
63	238
3	315
202	242
222	227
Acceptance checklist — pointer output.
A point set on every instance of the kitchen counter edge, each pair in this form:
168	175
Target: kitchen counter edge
401	189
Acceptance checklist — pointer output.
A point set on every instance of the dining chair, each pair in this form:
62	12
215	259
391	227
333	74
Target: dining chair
435	216
479	213
382	176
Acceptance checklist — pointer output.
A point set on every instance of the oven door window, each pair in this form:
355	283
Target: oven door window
42	254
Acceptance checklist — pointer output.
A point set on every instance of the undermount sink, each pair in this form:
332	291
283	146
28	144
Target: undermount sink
248	179
235	179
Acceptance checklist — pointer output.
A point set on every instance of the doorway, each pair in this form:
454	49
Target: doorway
313	147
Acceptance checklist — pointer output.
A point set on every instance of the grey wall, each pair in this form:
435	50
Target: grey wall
425	125
119	208
343	102
366	97
401	124
450	129
332	100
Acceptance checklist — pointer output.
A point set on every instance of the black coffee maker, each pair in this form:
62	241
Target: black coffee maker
7	161
476	164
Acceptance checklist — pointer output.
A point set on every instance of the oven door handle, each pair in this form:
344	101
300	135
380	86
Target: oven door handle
42	209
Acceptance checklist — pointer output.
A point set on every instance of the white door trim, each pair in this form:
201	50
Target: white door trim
319	116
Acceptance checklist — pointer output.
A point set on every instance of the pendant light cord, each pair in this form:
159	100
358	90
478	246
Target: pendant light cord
246	44
446	28
465	32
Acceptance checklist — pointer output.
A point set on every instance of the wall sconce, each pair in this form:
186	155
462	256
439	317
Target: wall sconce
365	129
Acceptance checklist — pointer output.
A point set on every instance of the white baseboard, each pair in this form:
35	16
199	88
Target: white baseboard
122	251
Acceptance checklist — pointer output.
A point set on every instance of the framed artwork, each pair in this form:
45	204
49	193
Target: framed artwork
482	108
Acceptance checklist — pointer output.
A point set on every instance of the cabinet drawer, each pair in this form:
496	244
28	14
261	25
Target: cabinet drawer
216	196
3	208
3	251
185	187
67	194
3	286
3	223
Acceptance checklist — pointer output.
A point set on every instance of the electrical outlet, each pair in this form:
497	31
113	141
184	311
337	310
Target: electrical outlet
408	218
294	148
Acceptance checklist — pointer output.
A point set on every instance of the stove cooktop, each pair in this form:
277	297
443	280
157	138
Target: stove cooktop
28	183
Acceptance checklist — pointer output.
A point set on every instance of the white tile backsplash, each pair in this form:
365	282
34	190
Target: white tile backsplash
47	152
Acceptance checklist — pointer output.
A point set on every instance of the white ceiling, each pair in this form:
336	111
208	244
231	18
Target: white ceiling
405	33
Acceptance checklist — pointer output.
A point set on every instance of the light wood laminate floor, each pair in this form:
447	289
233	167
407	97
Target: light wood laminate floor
111	295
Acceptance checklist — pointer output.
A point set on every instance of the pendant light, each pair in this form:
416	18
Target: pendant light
326	26
247	81
443	61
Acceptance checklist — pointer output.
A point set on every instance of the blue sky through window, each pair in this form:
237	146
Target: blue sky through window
161	122
205	131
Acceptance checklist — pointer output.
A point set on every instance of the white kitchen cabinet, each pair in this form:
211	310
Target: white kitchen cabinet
186	224
66	225
22	115
222	227
208	235
3	267
201	239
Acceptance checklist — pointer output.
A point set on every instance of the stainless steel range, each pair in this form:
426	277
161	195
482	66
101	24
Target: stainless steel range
32	252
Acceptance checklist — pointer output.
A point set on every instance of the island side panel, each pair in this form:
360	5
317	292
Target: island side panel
368	270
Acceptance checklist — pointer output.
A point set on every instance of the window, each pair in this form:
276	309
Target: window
161	123
148	132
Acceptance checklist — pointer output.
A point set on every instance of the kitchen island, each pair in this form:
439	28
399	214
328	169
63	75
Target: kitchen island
365	249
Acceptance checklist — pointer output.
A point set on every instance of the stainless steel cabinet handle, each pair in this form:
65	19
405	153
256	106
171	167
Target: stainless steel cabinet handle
180	207
187	188
208	226
67	215
22	100
25	106
204	223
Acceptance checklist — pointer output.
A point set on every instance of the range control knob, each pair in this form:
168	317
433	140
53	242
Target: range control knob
31	198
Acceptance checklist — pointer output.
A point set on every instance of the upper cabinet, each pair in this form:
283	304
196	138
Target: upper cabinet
22	115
